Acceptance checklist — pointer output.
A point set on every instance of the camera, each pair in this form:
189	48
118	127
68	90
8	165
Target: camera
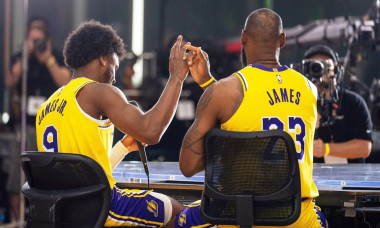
327	108
39	45
314	69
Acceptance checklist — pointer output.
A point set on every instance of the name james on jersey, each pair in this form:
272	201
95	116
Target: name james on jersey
286	96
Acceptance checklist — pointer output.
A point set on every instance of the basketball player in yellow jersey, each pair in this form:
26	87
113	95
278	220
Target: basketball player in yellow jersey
80	117
263	95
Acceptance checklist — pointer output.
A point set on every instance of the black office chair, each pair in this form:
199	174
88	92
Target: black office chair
252	178
65	190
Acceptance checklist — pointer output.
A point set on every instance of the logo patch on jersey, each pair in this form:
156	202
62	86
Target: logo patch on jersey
279	78
152	206
182	219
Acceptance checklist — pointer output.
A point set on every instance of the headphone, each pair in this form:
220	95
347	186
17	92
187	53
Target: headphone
325	50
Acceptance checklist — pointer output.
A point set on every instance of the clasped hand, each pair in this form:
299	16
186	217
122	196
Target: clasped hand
198	63
183	57
187	57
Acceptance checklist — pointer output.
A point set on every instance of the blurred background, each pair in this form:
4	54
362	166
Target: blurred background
149	28
348	26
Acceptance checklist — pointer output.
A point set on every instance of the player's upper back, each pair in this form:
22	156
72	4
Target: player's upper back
63	126
273	92
62	102
280	99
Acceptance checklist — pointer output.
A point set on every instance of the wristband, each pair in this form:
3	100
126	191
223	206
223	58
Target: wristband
117	154
327	149
50	61
208	82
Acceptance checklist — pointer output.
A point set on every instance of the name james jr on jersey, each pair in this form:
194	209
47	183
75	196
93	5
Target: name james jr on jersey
51	107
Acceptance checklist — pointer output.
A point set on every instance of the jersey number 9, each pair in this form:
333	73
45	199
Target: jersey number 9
50	139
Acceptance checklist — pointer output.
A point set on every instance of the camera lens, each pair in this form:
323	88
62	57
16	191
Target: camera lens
40	45
316	69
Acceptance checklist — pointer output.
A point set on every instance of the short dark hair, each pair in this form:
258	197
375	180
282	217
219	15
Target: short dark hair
264	25
89	41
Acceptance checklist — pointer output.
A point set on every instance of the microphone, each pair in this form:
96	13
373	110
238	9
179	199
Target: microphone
144	160
142	151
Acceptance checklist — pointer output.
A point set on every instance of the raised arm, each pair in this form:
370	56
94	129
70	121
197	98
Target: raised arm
199	66
218	103
60	74
146	127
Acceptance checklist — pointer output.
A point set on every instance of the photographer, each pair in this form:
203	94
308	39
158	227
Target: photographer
45	74
344	124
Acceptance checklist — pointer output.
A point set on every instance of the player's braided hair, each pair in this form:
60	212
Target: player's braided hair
90	41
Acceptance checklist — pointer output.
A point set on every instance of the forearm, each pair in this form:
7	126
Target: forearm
356	148
191	158
14	75
61	75
10	80
117	154
191	162
159	117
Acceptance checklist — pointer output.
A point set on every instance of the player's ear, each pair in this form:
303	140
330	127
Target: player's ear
282	39
102	60
243	37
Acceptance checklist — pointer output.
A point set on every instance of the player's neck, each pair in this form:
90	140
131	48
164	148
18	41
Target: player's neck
270	63
266	57
88	71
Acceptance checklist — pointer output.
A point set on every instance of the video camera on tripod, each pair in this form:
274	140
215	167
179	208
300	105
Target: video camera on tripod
314	70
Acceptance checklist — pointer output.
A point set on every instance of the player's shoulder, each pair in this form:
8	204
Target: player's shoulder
226	88
227	84
231	79
100	91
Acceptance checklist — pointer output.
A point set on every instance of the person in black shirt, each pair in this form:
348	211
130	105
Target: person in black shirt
46	73
344	126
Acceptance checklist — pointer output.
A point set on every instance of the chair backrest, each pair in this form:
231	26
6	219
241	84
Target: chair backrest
65	190
252	178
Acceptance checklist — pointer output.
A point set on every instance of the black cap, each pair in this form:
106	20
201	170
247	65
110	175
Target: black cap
321	49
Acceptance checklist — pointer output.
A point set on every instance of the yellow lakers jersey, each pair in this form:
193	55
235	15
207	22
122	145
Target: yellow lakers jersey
280	99
62	126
